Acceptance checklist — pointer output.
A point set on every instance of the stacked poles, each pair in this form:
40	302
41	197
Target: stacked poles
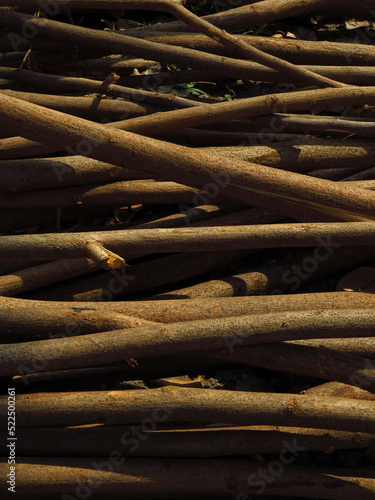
156	246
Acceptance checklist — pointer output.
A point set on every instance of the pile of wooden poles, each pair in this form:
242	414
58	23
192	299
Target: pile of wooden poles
261	196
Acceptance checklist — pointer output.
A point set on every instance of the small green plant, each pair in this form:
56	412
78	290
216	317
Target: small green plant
193	90
230	95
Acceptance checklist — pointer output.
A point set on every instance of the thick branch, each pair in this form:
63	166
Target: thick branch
192	405
230	333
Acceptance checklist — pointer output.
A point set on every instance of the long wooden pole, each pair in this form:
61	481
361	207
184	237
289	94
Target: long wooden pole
191	405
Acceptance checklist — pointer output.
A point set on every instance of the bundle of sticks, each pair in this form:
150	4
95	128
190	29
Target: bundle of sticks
152	239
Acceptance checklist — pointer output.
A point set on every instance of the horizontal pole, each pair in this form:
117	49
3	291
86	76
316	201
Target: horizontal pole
172	311
171	404
151	478
158	240
229	334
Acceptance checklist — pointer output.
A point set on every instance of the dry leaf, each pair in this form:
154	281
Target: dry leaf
352	24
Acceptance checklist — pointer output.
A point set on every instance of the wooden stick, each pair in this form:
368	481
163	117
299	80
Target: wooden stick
339	390
191	405
334	174
117	346
188	310
45	324
70	245
43	173
320	52
364	175
296	156
357	347
115	195
91	108
121	65
44	274
324	124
